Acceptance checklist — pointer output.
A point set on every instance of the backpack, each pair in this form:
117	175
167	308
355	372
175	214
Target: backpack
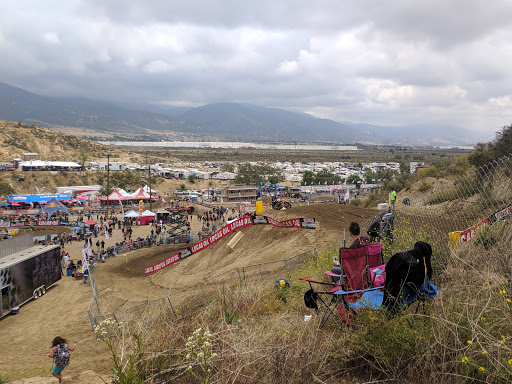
310	298
61	355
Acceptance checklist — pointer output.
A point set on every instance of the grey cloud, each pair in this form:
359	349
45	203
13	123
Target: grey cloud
378	62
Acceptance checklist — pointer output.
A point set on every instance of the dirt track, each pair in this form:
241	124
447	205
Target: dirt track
121	282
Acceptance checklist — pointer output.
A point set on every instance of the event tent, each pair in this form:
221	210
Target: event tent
131	213
114	196
146	217
140	194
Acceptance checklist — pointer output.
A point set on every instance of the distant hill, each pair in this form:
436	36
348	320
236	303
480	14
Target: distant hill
224	120
51	145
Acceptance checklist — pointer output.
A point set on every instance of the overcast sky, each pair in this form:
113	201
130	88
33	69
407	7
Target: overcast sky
441	62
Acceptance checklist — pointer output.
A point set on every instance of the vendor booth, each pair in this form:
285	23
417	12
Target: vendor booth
146	217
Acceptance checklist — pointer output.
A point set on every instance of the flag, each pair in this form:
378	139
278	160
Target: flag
347	195
163	200
122	208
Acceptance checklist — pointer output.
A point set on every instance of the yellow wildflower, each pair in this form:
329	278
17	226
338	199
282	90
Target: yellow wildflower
469	342
482	369
464	359
484	353
510	362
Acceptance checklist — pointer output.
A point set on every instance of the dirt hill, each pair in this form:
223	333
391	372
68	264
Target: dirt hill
51	145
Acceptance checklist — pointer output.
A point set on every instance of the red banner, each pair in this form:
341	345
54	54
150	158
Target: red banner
221	233
225	231
48	222
292	223
469	233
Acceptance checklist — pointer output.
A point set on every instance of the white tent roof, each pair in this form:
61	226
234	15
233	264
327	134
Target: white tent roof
131	213
146	189
160	210
147	213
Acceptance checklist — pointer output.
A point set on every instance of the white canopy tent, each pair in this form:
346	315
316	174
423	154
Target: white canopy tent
131	213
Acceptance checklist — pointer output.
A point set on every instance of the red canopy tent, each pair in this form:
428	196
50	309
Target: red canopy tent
146	217
114	196
140	194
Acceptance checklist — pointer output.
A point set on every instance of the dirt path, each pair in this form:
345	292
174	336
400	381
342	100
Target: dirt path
121	282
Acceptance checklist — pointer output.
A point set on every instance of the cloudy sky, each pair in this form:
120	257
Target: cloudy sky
395	62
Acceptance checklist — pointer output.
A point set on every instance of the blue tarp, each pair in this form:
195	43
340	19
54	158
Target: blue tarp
37	198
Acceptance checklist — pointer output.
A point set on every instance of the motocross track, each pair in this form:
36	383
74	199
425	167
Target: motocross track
121	283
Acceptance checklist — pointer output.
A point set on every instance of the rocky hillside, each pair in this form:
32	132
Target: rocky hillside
16	138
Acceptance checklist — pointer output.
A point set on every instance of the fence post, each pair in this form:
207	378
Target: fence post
287	270
239	276
172	308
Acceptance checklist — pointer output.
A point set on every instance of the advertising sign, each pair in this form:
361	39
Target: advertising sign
225	231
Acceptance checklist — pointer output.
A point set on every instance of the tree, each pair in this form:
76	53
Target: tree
257	173
503	142
308	178
354	179
483	154
369	176
183	187
191	178
103	191
84	156
6	189
326	177
227	167
404	168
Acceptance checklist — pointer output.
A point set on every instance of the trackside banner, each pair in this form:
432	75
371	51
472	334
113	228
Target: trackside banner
460	237
225	231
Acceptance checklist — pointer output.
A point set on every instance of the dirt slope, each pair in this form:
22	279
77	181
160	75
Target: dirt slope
260	243
121	283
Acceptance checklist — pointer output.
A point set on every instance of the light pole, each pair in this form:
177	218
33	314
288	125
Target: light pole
108	181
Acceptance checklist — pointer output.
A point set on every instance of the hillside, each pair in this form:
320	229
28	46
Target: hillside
51	145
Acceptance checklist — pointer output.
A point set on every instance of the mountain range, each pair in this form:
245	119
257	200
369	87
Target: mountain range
232	121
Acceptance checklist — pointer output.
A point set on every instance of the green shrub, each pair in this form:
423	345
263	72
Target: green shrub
424	187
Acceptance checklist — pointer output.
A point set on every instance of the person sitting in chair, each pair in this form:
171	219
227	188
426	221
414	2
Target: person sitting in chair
359	241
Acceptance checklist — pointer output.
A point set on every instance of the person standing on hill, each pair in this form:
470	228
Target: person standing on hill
393	197
60	355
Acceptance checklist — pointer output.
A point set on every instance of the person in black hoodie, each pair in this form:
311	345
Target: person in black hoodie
406	270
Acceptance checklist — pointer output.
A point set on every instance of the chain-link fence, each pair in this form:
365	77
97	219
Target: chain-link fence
449	212
194	298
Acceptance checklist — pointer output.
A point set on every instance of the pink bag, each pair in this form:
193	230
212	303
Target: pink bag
378	275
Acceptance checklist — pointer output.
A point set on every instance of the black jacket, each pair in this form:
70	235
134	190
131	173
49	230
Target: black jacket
406	268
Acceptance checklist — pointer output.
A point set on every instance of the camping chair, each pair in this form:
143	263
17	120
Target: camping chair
355	277
313	299
355	265
403	272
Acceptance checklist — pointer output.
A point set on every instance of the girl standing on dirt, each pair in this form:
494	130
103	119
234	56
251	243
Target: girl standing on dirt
60	355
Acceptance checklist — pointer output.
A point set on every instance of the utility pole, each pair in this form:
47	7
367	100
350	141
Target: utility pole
149	181
108	182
